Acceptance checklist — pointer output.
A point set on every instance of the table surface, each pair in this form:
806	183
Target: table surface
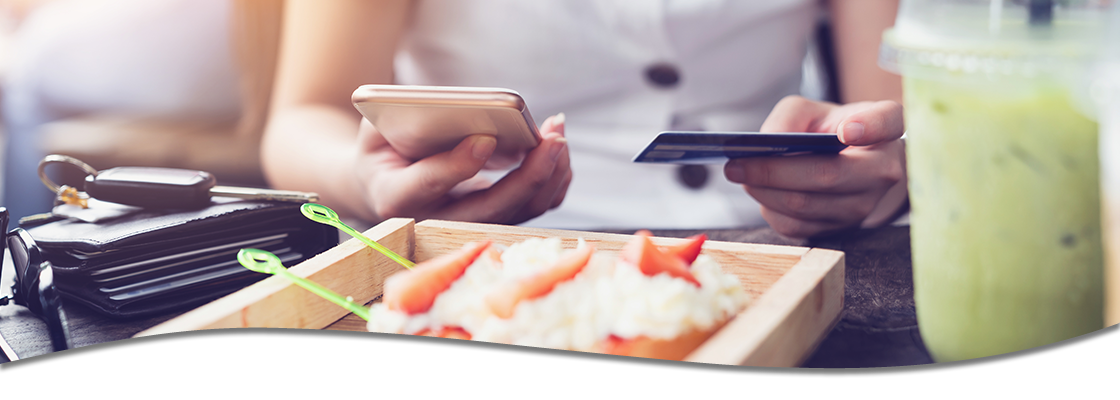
878	327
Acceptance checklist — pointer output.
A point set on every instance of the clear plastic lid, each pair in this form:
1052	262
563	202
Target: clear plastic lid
1015	37
1105	89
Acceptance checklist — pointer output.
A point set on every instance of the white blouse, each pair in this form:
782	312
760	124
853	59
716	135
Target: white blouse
622	71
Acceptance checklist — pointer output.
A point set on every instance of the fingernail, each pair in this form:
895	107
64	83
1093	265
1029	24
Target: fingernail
558	123
554	152
734	173
483	147
852	132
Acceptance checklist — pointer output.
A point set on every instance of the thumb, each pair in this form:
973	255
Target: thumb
879	122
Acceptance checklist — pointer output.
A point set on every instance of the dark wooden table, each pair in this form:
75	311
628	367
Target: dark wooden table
878	327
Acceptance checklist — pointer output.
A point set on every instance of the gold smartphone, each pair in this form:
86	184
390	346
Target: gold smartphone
420	121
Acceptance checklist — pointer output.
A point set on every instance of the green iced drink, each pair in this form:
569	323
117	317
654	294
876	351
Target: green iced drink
1005	222
1003	167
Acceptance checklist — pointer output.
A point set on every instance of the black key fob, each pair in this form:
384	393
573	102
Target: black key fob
152	187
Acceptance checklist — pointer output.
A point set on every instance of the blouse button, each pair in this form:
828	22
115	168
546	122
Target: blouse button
692	176
663	75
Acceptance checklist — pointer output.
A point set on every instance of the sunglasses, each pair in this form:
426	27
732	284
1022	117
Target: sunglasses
33	285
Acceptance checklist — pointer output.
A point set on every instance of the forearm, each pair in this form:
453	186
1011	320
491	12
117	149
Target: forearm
857	29
328	50
313	148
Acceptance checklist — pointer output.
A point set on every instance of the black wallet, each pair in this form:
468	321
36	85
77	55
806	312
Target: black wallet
132	262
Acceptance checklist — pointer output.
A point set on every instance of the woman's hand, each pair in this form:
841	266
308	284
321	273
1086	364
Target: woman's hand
445	185
863	185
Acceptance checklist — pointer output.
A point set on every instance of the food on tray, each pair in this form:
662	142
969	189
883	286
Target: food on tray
650	301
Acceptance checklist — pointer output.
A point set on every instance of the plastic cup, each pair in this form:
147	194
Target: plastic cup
1110	188
1003	171
1106	90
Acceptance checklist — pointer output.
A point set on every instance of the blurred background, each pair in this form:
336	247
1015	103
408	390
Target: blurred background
171	83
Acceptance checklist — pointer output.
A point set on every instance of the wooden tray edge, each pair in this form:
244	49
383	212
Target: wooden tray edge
779	327
612	237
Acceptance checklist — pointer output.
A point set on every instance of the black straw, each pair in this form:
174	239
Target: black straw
1041	12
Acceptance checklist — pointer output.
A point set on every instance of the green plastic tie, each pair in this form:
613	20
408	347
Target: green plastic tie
324	215
267	263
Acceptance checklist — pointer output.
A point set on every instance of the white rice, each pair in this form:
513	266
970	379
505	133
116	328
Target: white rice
608	297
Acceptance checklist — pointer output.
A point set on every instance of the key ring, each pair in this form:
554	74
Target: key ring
65	194
58	158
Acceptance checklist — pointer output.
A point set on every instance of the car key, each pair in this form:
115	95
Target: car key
152	187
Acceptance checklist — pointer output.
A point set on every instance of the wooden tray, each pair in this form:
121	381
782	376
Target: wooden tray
796	293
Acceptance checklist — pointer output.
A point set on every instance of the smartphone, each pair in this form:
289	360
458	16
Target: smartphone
420	121
718	147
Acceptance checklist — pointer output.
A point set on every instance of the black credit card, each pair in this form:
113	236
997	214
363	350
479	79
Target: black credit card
718	147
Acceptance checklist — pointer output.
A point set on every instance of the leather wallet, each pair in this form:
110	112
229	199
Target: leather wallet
130	262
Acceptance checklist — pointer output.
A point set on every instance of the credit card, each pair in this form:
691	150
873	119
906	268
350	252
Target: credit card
718	147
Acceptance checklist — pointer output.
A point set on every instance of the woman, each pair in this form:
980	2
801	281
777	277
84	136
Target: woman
620	72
